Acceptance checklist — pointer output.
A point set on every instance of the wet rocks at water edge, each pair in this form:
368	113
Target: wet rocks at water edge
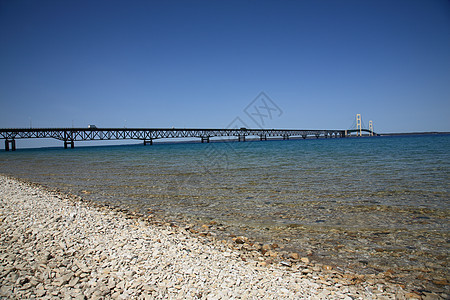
54	247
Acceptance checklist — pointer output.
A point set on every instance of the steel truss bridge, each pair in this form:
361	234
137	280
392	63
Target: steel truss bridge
147	135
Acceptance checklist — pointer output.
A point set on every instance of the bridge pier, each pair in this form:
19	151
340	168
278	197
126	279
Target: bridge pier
285	137
205	139
148	142
13	144
71	142
241	138
263	137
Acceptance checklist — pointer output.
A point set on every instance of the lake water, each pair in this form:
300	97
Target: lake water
367	204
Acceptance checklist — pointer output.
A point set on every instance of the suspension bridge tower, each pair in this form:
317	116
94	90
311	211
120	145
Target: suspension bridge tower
358	125
371	127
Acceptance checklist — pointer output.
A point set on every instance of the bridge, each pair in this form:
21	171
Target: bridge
148	135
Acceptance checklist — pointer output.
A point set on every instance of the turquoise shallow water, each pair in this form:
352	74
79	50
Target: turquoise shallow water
370	204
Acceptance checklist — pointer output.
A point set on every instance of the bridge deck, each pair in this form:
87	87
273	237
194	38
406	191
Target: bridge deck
70	135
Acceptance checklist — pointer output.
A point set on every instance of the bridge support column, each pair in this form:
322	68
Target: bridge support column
71	143
205	139
304	136
317	136
148	142
13	145
263	137
241	138
285	137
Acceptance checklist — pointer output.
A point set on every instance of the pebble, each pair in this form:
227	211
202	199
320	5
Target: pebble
305	260
294	256
52	246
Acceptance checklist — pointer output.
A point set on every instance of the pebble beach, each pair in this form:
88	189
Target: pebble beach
54	246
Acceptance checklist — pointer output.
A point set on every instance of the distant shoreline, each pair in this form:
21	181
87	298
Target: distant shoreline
414	133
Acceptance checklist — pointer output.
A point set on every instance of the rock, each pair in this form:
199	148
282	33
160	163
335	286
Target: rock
412	296
240	240
305	260
247	247
73	281
257	247
120	285
294	255
266	247
285	263
78	296
148	288
40	293
271	253
6	291
111	283
22	280
59	281
430	296
82	267
327	267
440	282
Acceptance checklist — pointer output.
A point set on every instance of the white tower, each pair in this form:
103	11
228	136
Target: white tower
358	124
371	127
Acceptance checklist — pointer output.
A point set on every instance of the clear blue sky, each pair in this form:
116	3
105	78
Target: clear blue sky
200	63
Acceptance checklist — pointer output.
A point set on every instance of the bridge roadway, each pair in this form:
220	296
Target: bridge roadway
147	135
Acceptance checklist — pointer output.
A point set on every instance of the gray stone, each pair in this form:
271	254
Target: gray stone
40	292
73	281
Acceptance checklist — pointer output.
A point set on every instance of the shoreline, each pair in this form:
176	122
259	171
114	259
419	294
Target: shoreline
54	245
